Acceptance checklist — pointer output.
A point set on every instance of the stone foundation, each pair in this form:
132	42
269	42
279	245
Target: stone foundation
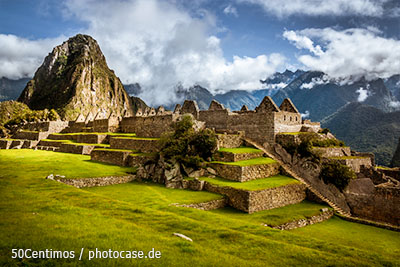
327	152
229	140
100	181
232	157
142	145
253	201
76	149
210	205
323	216
30	135
5	144
109	156
246	173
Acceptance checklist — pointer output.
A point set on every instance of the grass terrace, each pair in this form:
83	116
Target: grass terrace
253	185
240	150
348	157
248	162
96	133
43	163
76	143
138	138
41	214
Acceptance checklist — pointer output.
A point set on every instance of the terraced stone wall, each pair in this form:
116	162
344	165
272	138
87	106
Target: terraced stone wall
109	156
246	173
142	145
229	140
150	126
252	201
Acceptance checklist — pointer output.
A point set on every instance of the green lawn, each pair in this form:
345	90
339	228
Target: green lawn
253	185
138	138
42	163
274	217
95	133
248	162
76	143
240	150
40	214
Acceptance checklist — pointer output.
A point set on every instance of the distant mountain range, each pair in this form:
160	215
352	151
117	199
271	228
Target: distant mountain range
341	106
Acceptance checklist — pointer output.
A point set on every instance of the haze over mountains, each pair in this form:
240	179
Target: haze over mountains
362	113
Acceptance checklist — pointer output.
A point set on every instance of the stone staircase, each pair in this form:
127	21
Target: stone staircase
292	173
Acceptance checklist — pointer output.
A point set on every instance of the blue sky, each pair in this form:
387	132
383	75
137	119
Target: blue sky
221	45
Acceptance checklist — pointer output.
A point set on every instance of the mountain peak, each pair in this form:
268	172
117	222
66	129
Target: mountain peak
75	79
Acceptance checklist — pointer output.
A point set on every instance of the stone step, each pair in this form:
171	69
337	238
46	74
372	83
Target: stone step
264	197
246	170
78	148
111	156
145	145
30	135
237	154
47	148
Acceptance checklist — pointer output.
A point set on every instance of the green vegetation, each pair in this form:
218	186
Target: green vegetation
253	185
44	163
73	142
274	217
137	138
240	150
248	162
337	174
41	214
187	146
113	149
347	157
95	133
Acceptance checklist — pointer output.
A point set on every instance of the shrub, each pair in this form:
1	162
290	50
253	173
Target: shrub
324	131
187	146
337	174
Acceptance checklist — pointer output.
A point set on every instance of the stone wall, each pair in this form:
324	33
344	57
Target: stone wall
142	145
76	149
151	126
374	202
276	197
138	160
245	173
323	216
5	144
356	163
229	140
210	205
327	152
109	156
233	157
253	201
47	126
100	181
91	138
30	135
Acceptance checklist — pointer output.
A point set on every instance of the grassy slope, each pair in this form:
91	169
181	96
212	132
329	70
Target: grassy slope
240	150
258	184
248	162
37	213
76	143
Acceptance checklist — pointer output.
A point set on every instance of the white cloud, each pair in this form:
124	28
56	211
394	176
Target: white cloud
160	45
20	57
315	81
275	86
394	104
279	8
351	53
231	10
363	94
305	115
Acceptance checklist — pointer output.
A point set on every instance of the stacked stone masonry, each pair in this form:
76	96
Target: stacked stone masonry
245	173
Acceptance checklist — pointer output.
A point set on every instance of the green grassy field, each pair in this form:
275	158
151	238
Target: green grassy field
40	214
76	143
258	184
240	150
248	162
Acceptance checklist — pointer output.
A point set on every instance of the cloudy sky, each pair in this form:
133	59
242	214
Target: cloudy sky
218	44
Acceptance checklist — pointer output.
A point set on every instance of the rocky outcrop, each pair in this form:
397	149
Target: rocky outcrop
396	157
75	79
